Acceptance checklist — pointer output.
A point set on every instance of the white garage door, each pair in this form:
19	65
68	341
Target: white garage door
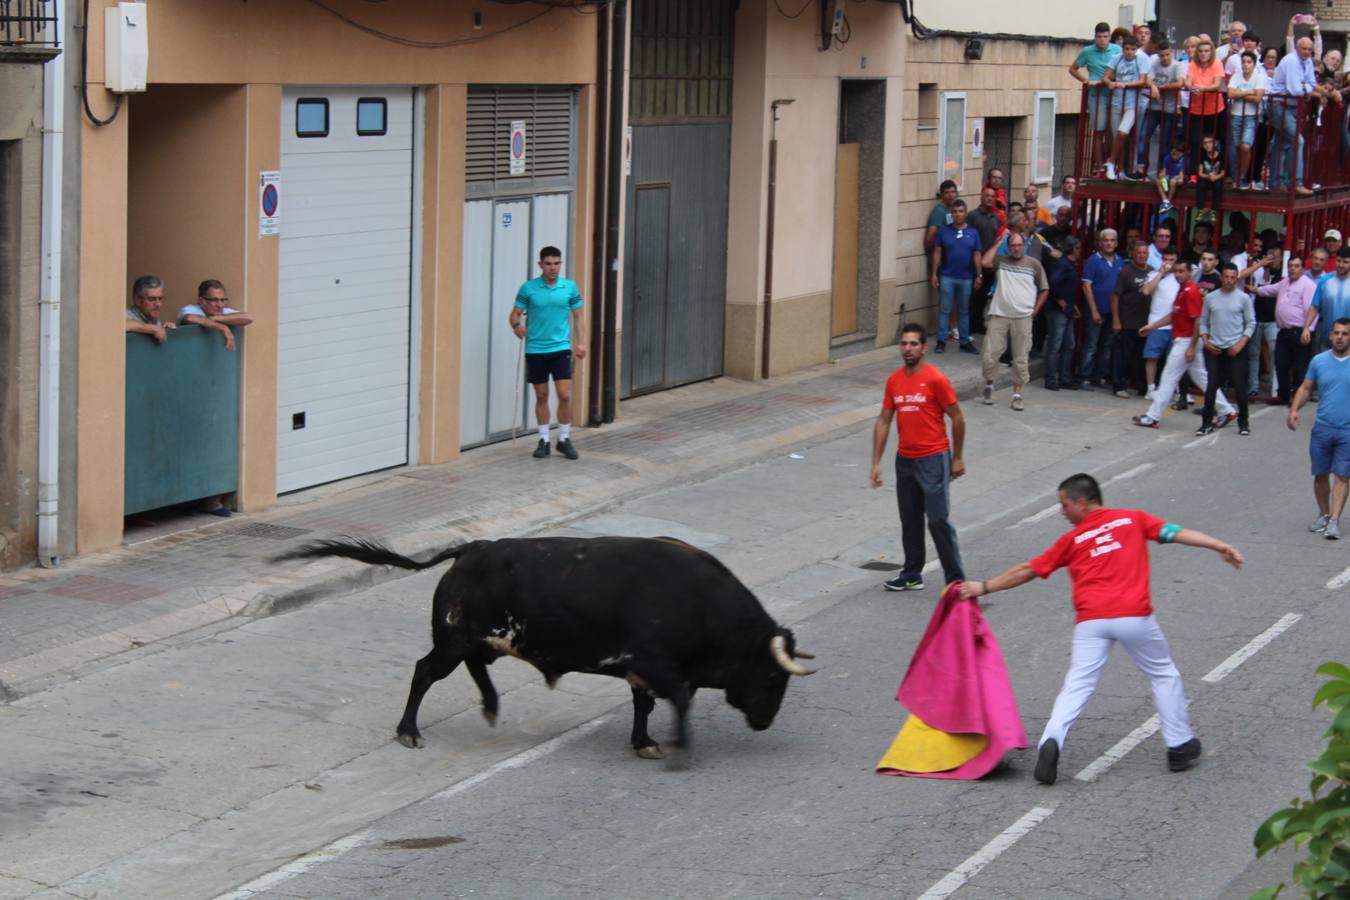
345	301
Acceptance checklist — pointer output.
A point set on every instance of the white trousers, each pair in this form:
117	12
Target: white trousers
1144	641
1171	377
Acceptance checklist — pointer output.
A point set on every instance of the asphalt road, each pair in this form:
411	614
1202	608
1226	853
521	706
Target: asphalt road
259	760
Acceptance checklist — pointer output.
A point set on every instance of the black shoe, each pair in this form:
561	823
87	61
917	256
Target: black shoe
1070	385
968	347
1204	430
940	347
1047	761
904	583
1179	759
542	450
1051	386
566	449
1181	405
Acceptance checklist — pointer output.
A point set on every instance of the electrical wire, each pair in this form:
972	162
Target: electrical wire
84	78
427	45
789	15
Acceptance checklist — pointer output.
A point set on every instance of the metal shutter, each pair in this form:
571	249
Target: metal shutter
549	133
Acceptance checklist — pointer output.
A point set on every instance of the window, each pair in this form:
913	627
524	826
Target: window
681	60
952	138
1043	139
311	117
372	116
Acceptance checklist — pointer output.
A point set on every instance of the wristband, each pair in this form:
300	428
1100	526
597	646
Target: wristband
1168	533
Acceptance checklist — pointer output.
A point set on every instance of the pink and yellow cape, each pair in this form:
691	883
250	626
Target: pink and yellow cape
962	713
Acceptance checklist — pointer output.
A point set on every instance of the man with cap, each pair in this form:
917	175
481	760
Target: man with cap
1332	242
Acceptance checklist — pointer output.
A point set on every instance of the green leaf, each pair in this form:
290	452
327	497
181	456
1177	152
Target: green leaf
1335	670
1331	815
1329	690
1269	893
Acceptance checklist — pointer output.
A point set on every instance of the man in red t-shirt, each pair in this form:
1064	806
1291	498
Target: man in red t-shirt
1182	358
1106	553
925	463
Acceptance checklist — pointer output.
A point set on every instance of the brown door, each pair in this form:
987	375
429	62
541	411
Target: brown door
844	299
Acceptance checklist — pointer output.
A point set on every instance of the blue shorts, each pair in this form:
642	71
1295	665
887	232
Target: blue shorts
1330	450
540	366
1155	346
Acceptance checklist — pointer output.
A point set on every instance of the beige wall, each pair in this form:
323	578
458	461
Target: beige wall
777	58
187	188
1058	18
1004	83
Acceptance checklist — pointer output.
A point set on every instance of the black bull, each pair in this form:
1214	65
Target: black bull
667	617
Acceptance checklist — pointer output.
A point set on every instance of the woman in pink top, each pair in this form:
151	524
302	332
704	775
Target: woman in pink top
1206	80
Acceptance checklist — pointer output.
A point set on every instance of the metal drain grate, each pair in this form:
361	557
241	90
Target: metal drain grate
271	532
876	565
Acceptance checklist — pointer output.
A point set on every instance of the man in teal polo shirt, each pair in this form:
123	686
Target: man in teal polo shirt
1090	68
552	307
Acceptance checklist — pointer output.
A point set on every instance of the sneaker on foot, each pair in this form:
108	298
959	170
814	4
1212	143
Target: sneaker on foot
968	347
1164	206
1320	524
1017	402
566	449
940	347
987	395
542	450
1123	394
1146	421
1244	430
1180	758
904	582
1110	171
1181	404
1047	761
1225	421
1204	430
1333	532
953	335
1051	386
1071	385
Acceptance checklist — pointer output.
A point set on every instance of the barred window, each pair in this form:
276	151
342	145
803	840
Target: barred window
681	60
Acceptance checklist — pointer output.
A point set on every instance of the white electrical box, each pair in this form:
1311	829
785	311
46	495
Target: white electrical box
126	47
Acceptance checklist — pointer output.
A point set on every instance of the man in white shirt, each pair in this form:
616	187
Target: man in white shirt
1065	195
1232	62
1158	338
1236	31
1245	90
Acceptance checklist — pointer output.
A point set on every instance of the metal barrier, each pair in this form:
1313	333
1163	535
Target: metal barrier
1285	143
182	418
28	23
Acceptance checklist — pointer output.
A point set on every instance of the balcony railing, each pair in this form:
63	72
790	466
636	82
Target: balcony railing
28	23
1276	145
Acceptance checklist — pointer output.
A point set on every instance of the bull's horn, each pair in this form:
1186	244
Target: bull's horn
799	653
778	647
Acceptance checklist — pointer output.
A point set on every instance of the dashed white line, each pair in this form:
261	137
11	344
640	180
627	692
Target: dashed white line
955	879
1128	473
332	851
1119	751
1054	508
1207	440
1339	581
1225	668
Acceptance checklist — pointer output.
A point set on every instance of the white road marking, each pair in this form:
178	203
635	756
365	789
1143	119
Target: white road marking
332	851
957	878
1225	668
1208	440
1339	581
1051	510
1120	750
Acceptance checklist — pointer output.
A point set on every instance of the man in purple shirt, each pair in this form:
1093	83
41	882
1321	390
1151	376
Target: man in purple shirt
1294	77
1293	345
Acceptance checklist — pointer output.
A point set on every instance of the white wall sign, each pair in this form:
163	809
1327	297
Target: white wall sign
977	138
1225	18
628	151
269	203
518	147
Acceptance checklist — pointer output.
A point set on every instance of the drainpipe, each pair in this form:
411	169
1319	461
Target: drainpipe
768	234
49	307
595	416
613	208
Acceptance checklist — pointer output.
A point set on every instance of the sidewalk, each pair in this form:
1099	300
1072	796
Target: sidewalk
55	622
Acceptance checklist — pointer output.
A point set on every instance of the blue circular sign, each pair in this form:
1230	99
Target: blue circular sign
518	144
270	200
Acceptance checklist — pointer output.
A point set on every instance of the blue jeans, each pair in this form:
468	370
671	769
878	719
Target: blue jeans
1059	343
954	291
1291	142
1152	119
1096	362
1241	130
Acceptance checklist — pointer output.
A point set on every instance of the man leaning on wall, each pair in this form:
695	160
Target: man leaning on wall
147	297
212	311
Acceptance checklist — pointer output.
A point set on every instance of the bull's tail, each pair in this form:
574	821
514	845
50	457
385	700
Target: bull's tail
371	553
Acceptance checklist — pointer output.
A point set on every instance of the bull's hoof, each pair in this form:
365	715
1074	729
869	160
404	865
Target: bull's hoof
411	741
491	716
651	752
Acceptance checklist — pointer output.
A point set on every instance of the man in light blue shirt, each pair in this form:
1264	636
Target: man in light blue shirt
553	332
1090	68
1332	299
1294	78
1329	447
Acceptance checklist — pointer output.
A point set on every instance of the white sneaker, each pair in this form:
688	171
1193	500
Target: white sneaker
987	395
953	335
1152	391
1110	171
1320	524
